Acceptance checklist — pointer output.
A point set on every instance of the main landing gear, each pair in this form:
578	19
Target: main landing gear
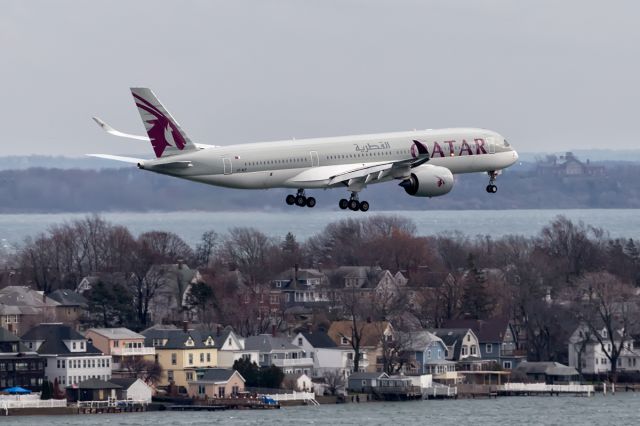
300	200
353	203
492	188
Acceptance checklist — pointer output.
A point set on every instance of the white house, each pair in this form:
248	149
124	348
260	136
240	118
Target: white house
70	358
326	354
588	355
299	382
133	389
231	348
280	352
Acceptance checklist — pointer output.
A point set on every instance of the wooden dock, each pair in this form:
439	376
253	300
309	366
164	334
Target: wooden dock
530	389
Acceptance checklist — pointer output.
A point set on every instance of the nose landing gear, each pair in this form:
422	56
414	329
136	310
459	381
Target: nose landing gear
492	188
353	203
300	200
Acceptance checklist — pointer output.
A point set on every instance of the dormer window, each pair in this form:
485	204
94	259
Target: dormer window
189	342
73	346
209	341
82	345
344	340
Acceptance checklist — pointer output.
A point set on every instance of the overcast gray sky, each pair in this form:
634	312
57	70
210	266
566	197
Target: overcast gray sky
549	75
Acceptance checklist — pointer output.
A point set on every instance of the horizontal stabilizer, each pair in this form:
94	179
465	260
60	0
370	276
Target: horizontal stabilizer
170	166
118	158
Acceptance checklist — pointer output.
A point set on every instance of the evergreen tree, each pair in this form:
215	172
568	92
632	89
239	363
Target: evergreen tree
249	370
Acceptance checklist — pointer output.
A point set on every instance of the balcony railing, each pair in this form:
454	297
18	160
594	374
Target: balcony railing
133	351
293	362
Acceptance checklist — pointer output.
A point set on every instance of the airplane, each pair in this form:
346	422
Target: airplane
423	162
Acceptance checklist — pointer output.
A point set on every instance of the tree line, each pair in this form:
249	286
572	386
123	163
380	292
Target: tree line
569	273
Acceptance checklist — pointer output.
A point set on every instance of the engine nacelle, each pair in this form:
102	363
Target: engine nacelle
428	181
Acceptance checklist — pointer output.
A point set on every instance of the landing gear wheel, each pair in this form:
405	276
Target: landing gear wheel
343	204
354	205
311	202
301	201
364	206
492	189
291	199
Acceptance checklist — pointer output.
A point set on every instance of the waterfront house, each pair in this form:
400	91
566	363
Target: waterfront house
363	381
92	390
588	354
216	383
19	366
547	372
426	354
69	356
182	353
280	352
133	389
121	343
462	344
372	335
498	340
326	354
231	348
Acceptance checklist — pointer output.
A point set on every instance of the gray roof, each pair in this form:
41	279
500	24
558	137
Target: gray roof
547	368
97	384
268	343
53	336
24	296
117	333
319	339
123	382
176	338
68	298
7	336
365	375
419	340
452	337
217	375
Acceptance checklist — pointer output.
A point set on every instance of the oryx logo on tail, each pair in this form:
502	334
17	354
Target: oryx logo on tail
161	130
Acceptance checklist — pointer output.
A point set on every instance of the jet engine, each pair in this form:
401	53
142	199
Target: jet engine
428	181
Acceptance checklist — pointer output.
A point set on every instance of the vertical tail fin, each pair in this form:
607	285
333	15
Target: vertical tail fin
167	137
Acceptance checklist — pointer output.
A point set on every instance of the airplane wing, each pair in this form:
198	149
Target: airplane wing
107	128
361	174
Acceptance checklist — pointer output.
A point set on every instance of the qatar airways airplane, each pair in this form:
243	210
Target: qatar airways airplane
423	161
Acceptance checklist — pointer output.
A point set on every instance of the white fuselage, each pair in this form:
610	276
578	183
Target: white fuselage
307	163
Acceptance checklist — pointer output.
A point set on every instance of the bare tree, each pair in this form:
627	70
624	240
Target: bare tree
608	308
334	381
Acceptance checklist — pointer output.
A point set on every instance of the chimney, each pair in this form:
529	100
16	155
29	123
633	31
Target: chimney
218	331
273	330
296	268
185	326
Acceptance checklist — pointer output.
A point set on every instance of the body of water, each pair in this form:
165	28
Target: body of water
621	409
619	223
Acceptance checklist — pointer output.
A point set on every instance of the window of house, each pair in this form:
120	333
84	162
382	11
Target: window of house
208	356
506	365
170	375
473	350
189	375
344	340
201	389
488	348
190	359
464	350
235	390
82	345
429	354
174	358
468	337
73	345
299	341
202	357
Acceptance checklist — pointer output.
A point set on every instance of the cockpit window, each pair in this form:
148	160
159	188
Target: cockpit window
506	144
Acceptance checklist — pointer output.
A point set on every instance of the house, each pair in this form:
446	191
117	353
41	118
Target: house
88	282
231	347
498	339
121	343
22	308
463	347
298	382
132	389
92	390
280	352
302	286
19	366
69	357
326	354
172	282
587	354
216	383
363	381
372	335
426	354
182	353
547	372
570	167
72	305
